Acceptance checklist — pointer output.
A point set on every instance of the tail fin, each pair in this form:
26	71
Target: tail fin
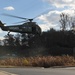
1	24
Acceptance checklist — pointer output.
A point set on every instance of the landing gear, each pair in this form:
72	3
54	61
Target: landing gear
8	33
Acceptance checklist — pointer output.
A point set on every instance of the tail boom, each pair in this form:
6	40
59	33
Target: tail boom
1	24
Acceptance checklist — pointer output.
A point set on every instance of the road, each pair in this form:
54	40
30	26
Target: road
37	71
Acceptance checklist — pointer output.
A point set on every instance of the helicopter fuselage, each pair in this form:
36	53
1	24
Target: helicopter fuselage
29	27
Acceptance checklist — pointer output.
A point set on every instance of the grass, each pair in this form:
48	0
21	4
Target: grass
39	61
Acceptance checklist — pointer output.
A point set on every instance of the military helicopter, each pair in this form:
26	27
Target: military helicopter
27	27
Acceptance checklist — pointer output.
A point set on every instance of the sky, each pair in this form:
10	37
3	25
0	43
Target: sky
46	12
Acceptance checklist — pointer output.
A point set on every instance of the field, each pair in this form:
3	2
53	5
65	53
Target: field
39	61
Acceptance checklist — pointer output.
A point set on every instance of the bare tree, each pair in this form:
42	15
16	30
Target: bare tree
64	20
9	40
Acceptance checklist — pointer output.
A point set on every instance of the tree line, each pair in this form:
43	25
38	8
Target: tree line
50	42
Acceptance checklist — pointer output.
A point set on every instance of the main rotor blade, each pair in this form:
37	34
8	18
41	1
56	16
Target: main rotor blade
51	9
19	22
14	16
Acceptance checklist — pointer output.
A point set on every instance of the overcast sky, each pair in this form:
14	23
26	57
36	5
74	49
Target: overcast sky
46	11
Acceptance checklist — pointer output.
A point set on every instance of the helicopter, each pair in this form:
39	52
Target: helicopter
28	26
